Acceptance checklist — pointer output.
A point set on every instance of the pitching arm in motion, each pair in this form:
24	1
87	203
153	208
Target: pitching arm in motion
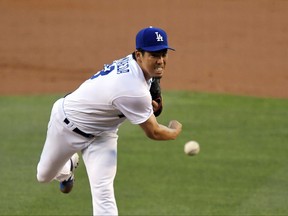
157	131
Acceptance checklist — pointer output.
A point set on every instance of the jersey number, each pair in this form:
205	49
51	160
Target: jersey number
107	69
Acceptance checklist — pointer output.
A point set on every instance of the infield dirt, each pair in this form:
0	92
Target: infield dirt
239	47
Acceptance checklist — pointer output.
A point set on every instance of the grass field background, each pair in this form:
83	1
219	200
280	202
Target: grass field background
242	168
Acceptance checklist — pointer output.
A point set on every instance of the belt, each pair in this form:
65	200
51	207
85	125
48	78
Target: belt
78	131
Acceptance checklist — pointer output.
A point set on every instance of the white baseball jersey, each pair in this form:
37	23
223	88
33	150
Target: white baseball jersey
119	89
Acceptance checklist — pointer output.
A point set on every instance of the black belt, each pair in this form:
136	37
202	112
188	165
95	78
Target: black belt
78	131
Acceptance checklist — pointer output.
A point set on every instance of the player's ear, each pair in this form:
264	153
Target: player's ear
138	55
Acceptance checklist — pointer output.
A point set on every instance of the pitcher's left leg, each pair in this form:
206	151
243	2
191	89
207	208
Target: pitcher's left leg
100	159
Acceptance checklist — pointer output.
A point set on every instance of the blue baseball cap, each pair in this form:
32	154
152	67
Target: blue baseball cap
152	39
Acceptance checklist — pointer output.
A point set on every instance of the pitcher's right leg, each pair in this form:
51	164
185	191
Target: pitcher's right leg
58	148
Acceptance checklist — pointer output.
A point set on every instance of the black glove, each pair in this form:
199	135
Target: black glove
155	92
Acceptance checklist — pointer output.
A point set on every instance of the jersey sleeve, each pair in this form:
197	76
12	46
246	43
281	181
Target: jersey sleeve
136	109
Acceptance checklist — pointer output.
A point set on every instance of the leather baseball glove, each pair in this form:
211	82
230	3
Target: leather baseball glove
155	92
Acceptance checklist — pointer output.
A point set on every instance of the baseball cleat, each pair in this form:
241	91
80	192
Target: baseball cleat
67	185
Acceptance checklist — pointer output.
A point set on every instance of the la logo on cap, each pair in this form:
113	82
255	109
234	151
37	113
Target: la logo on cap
158	36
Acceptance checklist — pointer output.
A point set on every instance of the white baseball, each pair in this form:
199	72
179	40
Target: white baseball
192	148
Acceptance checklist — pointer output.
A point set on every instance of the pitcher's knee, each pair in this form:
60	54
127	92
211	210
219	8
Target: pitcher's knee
43	178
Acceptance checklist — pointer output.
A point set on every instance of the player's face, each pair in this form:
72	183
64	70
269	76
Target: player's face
153	63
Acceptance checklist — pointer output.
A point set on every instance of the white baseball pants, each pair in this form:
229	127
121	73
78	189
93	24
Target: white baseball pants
99	156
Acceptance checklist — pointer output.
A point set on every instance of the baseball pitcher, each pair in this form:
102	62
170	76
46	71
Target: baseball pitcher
87	120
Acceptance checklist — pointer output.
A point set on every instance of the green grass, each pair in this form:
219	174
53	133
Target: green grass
241	169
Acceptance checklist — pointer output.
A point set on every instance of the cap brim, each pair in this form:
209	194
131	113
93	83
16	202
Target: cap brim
157	48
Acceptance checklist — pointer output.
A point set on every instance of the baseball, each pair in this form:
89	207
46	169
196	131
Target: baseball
191	148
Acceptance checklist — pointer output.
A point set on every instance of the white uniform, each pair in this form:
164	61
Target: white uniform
97	107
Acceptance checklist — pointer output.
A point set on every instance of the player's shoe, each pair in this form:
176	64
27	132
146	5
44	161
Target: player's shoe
67	185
